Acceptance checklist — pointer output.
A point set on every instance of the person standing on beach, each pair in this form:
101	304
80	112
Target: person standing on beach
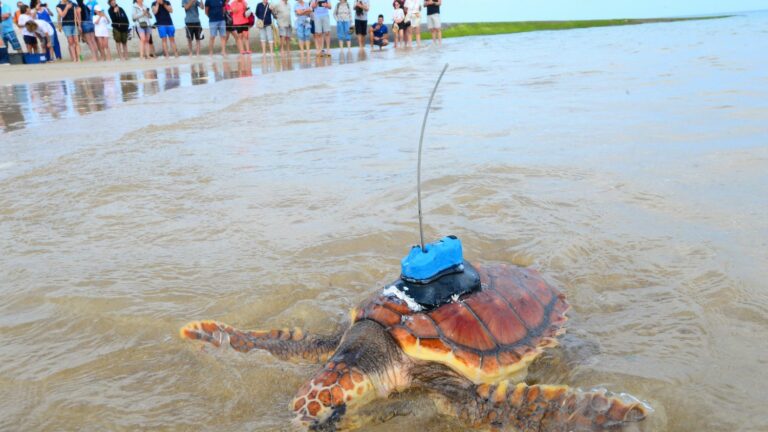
6	27
264	23
237	8
30	40
361	21
343	16
163	10
214	10
120	28
413	16
433	20
193	28
101	24
45	14
398	16
303	27
87	28
69	21
322	26
282	12
142	19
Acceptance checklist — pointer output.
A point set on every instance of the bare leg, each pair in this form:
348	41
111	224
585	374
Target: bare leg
173	45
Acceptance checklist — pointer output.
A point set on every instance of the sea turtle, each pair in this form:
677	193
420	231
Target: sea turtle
470	354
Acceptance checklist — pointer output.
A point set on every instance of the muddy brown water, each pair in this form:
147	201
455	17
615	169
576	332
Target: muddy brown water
629	165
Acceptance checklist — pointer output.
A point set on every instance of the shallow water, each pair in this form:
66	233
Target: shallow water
628	164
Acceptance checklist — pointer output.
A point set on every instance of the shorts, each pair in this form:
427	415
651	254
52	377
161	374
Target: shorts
361	27
414	19
217	28
342	31
433	21
87	27
166	31
285	31
241	28
266	34
10	39
144	31
69	30
230	28
303	32
404	25
378	42
120	36
194	31
30	41
323	24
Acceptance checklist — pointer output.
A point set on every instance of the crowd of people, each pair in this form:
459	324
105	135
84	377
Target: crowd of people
277	22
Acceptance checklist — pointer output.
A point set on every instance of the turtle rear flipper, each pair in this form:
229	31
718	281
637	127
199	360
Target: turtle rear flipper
286	344
549	408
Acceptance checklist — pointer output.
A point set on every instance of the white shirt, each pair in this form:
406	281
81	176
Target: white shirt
413	6
399	15
43	28
23	18
101	25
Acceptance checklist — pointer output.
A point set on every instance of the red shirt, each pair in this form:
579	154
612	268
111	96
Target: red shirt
238	8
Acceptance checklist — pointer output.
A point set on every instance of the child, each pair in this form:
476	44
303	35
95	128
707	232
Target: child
101	24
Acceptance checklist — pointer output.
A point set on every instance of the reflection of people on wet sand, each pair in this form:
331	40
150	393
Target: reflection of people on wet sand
379	33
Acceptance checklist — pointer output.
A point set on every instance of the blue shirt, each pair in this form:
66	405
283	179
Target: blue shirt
381	31
301	19
162	17
321	11
7	24
215	10
264	13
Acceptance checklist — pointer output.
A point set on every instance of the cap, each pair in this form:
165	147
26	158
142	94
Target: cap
98	8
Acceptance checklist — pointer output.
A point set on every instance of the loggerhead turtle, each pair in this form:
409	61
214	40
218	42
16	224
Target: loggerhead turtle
470	354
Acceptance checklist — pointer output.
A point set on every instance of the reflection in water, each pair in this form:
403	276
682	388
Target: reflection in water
128	86
29	105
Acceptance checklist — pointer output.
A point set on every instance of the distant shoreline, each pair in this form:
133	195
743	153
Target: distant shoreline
24	74
496	28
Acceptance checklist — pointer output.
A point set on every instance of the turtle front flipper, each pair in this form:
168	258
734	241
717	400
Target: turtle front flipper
285	344
551	408
367	365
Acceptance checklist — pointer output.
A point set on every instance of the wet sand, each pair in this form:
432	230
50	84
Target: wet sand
627	164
